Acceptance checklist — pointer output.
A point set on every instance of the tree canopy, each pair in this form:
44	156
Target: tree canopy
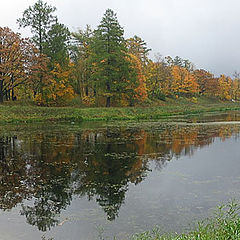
99	67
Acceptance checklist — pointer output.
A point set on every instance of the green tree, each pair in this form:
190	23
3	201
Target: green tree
39	18
138	47
112	71
178	61
57	45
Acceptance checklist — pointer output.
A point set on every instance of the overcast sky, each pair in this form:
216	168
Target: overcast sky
204	31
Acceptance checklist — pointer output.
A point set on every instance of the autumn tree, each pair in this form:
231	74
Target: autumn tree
212	87
138	47
203	79
225	87
137	90
236	86
81	54
53	79
39	18
16	56
158	78
183	82
56	89
52	39
138	52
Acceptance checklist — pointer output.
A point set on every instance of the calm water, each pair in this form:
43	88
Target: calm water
102	180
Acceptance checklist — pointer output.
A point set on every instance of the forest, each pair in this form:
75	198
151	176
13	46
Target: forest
98	67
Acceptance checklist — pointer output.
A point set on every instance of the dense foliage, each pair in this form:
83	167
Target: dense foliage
100	67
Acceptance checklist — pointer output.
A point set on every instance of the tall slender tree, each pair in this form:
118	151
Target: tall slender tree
57	45
81	53
138	47
111	66
39	18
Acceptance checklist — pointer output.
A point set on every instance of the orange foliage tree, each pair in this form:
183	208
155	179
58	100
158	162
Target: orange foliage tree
138	47
16	55
140	90
236	89
158	76
203	78
56	88
183	82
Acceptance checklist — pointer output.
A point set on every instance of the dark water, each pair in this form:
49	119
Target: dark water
105	180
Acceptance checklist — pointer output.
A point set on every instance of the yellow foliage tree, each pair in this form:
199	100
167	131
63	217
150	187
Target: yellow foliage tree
225	87
204	80
236	89
183	82
136	84
57	90
158	76
140	90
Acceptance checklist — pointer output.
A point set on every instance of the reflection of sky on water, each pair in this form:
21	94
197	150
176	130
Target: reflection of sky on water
135	177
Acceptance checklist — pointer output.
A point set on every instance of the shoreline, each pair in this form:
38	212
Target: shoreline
35	114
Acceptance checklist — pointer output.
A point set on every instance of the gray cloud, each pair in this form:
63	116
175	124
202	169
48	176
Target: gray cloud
204	31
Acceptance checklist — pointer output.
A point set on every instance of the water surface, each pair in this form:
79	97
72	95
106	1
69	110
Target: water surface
114	179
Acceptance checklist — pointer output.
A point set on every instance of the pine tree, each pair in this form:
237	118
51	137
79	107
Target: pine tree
57	45
138	47
39	18
110	61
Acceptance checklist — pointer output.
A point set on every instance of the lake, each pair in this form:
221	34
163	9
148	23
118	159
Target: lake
100	180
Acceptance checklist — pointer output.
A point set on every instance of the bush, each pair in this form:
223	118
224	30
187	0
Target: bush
224	225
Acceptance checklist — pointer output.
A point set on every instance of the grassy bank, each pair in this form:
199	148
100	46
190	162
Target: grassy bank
225	225
30	113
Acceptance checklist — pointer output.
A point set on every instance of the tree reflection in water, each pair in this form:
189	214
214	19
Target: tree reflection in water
43	171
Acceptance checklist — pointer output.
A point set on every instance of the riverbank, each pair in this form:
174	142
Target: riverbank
224	225
30	113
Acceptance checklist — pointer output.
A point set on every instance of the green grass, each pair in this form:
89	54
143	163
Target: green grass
18	112
225	225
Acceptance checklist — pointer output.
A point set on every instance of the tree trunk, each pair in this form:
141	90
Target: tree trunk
1	97
108	97
1	91
108	101
7	95
13	97
2	155
86	91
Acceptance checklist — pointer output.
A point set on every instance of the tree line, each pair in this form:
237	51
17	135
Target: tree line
99	66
